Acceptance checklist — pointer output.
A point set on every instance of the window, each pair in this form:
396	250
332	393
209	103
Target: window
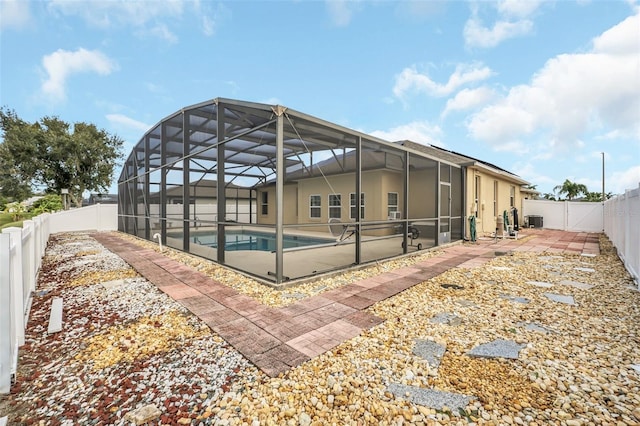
495	198
335	206
392	204
352	205
264	203
315	206
512	196
477	195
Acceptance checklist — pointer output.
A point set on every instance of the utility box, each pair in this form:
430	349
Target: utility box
535	221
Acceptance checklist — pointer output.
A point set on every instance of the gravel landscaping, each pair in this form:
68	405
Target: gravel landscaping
128	353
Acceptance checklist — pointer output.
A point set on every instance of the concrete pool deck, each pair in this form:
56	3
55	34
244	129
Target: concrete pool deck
277	339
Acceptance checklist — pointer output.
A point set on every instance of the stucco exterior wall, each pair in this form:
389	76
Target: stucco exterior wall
490	203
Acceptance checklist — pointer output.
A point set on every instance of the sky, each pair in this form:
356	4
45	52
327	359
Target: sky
540	88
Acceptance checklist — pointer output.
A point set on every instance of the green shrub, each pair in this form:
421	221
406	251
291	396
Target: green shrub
47	204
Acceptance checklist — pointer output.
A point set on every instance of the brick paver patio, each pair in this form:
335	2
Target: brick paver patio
277	339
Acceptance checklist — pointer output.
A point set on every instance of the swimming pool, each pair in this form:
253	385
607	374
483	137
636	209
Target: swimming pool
256	240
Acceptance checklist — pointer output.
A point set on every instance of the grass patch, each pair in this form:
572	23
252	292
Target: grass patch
6	220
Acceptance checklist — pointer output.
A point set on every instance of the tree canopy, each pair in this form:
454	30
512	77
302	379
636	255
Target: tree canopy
51	155
571	189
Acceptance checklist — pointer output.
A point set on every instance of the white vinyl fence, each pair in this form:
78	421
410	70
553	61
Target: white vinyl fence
575	216
21	252
622	226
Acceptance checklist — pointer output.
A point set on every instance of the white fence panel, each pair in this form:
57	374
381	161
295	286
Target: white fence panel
21	252
584	216
622	226
575	216
99	217
7	340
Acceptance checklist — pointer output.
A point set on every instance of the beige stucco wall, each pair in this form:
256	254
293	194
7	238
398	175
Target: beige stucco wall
486	221
375	186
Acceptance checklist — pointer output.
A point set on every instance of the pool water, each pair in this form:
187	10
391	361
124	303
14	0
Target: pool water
253	240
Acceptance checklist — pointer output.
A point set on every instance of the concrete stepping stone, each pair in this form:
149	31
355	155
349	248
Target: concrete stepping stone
497	349
540	284
446	318
431	398
636	367
55	318
430	351
530	326
581	269
576	284
466	303
3	421
588	255
501	268
112	284
515	299
561	298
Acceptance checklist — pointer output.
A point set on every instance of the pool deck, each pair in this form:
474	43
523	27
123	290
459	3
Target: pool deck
277	339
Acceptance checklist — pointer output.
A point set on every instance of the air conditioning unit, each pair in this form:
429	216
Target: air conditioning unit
395	215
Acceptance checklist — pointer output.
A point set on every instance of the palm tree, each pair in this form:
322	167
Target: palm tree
572	189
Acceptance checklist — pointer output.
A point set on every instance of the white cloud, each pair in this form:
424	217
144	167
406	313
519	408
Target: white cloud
119	12
14	14
512	22
624	180
417	131
161	31
468	99
122	121
341	11
572	95
410	80
155	18
60	64
518	8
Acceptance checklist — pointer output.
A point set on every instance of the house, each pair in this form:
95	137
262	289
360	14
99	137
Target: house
489	190
321	197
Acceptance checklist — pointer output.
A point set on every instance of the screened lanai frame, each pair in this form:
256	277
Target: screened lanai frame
168	189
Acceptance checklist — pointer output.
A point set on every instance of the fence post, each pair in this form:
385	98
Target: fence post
6	343
28	258
17	283
37	242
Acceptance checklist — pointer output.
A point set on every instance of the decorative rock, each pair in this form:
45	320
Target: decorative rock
431	398
636	367
304	419
561	298
585	269
497	349
143	415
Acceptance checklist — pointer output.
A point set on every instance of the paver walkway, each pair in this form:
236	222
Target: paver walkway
277	339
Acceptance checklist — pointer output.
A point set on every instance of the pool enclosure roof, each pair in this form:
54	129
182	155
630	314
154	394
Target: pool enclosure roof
248	130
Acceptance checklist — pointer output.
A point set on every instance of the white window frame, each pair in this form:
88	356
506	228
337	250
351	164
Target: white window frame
313	208
332	207
394	206
352	205
264	203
